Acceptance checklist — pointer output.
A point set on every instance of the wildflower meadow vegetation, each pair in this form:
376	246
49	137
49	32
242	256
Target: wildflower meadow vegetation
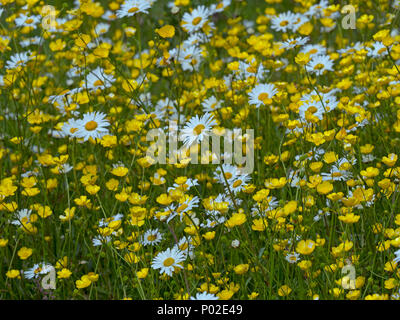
93	206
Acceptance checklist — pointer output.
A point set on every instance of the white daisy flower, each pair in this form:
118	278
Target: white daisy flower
18	60
23	216
316	108
195	20
70	128
151	237
168	260
102	28
283	22
397	259
319	64
130	7
292	257
239	183
211	104
229	171
93	125
98	79
26	21
38	269
220	6
99	241
378	50
294	42
197	129
262	94
204	296
314	49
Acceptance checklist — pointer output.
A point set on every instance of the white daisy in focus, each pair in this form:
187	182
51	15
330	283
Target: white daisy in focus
151	237
204	296
168	260
262	94
98	79
197	129
37	269
130	7
319	64
195	20
93	125
23	217
283	22
292	257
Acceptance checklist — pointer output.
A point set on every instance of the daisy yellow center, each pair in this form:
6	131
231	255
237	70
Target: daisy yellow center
169	262
284	23
196	21
220	5
73	130
151	237
237	183
313	51
228	175
91	125
198	129
30	20
132	10
251	69
319	66
263	96
336	174
312	109
98	83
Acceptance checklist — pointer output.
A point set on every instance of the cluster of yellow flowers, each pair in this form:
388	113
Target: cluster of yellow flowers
82	86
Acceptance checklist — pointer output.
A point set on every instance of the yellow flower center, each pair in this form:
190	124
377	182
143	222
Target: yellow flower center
196	21
284	23
151	237
73	130
169	262
98	83
237	183
132	10
198	129
312	109
263	96
319	66
91	125
228	175
30	20
220	5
